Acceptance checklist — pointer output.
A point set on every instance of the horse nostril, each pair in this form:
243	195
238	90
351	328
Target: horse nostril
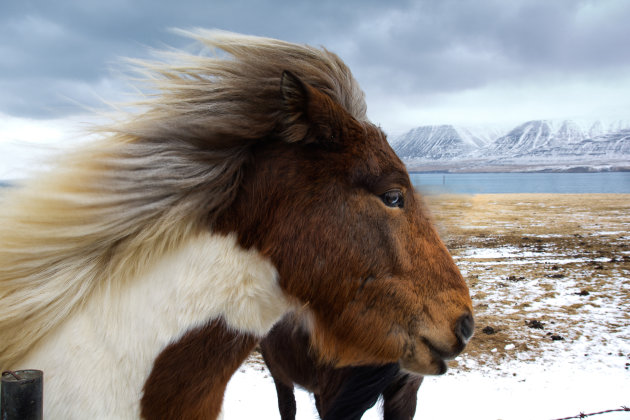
465	327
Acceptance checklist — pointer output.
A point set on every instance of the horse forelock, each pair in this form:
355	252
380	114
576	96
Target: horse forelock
110	208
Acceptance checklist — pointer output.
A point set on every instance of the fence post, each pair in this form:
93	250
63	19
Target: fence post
22	395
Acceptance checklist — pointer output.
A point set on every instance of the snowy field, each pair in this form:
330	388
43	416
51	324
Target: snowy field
562	261
555	387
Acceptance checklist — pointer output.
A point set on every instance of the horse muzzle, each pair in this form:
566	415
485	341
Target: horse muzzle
429	356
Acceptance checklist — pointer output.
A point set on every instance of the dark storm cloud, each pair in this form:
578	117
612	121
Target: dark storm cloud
454	45
57	54
46	47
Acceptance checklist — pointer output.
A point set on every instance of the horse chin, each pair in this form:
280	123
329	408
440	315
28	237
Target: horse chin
423	367
424	360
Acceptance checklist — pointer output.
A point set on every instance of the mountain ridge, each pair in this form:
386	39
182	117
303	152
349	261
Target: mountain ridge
536	145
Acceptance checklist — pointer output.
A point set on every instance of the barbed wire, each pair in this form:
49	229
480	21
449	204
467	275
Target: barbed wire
583	416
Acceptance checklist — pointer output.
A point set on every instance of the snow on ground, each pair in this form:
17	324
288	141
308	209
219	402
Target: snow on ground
551	388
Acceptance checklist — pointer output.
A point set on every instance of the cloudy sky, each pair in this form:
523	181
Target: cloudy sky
420	62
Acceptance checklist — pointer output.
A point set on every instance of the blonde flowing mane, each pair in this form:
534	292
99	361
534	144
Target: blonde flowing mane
107	211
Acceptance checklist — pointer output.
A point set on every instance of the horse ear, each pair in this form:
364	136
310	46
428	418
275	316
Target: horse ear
307	111
295	97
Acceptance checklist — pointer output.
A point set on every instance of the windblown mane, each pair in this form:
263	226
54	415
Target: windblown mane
107	211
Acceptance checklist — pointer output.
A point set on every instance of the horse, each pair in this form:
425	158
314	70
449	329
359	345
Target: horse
247	182
340	393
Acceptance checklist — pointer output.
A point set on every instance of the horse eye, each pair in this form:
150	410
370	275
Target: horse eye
393	198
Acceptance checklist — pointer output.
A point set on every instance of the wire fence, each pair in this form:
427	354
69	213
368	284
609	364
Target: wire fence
583	415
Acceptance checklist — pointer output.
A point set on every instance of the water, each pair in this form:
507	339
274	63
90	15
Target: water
499	183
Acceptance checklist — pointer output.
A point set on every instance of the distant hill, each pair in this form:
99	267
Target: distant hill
533	146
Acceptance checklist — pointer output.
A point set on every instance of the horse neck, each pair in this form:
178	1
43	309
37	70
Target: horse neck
189	377
202	306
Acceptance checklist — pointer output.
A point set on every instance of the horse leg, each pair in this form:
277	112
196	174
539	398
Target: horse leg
400	398
286	400
359	391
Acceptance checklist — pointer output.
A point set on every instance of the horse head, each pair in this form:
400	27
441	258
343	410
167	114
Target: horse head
327	200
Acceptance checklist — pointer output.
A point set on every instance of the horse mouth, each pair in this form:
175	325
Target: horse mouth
445	354
427	359
439	357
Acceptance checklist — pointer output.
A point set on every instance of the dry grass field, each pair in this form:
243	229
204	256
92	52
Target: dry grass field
547	272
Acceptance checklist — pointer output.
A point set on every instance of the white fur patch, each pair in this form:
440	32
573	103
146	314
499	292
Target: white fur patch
96	362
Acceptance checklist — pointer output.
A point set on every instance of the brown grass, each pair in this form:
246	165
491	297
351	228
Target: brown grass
563	260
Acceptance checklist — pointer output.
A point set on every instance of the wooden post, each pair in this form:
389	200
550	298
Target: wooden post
22	395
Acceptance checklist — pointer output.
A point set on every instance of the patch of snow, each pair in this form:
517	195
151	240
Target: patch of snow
493	253
251	394
532	390
517	256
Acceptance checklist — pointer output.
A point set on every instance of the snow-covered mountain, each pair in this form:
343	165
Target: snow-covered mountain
440	142
533	145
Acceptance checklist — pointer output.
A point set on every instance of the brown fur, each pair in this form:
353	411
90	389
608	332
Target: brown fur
329	189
